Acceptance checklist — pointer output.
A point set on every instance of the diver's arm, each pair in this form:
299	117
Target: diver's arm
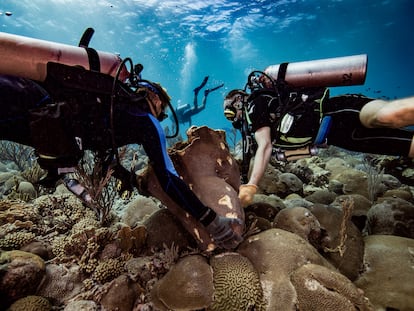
262	156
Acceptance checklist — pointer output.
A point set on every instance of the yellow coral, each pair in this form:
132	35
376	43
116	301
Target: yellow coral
31	303
16	240
58	247
84	224
108	270
237	284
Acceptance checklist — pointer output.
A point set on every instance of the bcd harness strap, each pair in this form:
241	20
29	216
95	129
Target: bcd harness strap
323	130
281	75
93	57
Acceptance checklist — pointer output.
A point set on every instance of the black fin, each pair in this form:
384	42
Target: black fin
86	37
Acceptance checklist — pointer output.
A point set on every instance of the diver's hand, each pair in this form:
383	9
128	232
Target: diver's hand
222	232
246	194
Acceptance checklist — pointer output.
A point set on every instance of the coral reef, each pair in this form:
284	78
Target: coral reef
236	284
333	248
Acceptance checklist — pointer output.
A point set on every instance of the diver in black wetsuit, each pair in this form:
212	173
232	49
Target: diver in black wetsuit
291	123
185	112
62	121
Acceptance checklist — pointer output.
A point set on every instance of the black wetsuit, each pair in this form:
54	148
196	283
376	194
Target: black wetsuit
345	130
19	97
348	132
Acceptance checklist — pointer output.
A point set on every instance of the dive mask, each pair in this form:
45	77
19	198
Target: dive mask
231	105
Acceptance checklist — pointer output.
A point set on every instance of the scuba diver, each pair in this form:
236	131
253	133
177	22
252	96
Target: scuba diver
185	112
74	109
291	123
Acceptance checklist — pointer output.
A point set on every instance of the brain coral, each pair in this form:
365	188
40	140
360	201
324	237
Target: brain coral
237	284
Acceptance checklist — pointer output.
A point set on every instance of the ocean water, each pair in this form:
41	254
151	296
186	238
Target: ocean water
179	42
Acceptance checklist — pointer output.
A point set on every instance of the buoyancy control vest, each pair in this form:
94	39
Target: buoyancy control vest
79	117
294	114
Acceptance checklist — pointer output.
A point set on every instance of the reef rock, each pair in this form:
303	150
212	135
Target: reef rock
301	221
391	216
84	305
354	182
164	229
120	294
60	283
139	210
361	206
343	243
20	274
187	286
322	289
388	277
276	254
322	196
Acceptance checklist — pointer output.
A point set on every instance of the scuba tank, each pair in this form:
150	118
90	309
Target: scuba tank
27	57
337	71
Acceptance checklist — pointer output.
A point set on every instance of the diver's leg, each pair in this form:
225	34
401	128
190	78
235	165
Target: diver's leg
206	92
152	138
198	88
393	114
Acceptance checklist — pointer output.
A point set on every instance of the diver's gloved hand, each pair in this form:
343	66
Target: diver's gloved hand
246	194
222	232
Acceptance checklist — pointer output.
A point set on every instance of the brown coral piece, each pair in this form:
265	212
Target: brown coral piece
187	286
236	284
320	288
206	165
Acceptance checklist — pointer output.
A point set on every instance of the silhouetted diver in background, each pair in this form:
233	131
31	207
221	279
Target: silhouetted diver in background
185	112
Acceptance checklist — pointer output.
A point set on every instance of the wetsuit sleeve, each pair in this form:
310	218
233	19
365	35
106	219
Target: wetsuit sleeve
154	144
259	113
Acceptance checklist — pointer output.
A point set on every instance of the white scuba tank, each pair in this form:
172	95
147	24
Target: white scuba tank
27	57
338	71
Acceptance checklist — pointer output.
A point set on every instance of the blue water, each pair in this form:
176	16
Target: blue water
180	41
